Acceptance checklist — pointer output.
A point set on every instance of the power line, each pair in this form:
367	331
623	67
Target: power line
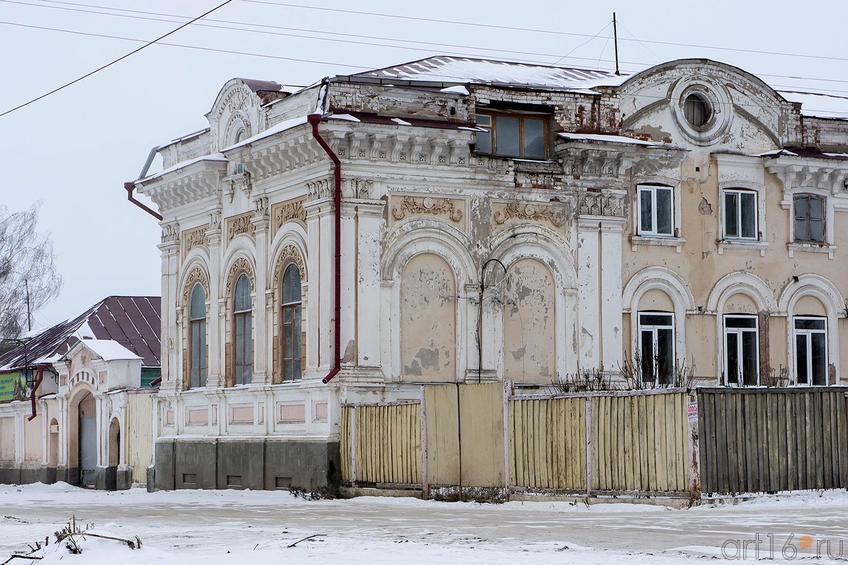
113	62
404	40
313	61
541	30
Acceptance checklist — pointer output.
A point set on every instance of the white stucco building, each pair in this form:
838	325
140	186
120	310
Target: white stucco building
687	216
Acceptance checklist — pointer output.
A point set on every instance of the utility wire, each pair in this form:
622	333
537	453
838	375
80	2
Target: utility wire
335	33
332	63
113	62
541	30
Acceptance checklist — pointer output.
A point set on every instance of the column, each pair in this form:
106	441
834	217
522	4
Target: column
170	356
320	232
611	306
370	332
588	283
261	337
215	310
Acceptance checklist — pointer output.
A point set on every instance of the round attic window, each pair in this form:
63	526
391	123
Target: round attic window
697	110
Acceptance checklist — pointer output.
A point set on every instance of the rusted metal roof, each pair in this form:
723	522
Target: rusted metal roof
132	321
446	69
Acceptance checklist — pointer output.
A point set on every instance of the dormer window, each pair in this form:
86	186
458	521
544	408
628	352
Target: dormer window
522	135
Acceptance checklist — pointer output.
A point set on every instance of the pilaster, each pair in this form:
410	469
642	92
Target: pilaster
261	222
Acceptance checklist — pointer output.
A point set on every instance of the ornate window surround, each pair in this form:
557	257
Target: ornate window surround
290	254
196	273
240	265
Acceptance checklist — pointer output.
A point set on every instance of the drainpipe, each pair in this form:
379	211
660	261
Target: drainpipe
314	120
38	378
130	187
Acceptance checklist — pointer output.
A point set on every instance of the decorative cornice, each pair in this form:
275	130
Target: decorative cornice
241	224
284	212
170	232
414	206
530	213
196	275
602	204
290	255
800	173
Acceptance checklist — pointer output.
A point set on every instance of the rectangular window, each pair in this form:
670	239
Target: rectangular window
810	350
512	135
741	350
198	353
740	214
809	218
656	347
656	210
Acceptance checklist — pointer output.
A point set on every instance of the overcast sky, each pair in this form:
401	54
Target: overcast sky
72	151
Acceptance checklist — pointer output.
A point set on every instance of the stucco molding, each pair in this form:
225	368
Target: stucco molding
196	272
417	235
240	266
745	283
541	243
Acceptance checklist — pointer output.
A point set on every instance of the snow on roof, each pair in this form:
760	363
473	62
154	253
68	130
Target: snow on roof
183	165
109	349
448	69
819	105
600	138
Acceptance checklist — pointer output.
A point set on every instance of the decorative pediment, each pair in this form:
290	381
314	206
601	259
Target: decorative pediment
241	266
452	209
241	224
194	238
236	113
195	276
284	212
821	174
290	255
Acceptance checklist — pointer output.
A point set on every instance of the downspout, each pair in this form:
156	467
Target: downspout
130	186
38	378
314	119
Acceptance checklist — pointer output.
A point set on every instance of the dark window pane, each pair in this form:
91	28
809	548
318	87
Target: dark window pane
248	347
665	356
749	358
740	322
749	215
534	138
809	323
655	319
819	358
801	359
202	329
732	347
664	212
802	207
291	285
645	210
816	230
646	356
195	355
506	136
484	139
288	367
816	205
242	294
731	219
197	309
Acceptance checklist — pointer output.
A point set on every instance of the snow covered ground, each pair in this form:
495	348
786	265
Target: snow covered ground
234	527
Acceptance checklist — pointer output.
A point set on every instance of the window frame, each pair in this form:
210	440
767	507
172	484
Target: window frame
296	309
739	332
198	325
243	374
739	192
808	333
809	196
521	116
653	188
654	330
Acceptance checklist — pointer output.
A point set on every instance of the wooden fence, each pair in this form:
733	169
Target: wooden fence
768	440
625	442
381	444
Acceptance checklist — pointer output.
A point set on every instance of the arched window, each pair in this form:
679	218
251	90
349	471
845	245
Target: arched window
197	333
243	331
291	342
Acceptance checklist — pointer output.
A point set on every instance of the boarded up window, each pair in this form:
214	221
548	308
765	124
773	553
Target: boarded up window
529	323
428	320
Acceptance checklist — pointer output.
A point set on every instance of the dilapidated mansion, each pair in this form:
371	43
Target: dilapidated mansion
464	220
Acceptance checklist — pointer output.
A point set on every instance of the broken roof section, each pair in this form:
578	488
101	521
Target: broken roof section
132	321
447	70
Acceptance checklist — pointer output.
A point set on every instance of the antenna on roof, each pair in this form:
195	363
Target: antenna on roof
615	41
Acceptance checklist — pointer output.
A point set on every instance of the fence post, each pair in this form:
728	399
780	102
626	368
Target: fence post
506	438
589	447
694	447
351	431
425	486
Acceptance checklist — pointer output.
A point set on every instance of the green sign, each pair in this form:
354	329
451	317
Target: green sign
12	387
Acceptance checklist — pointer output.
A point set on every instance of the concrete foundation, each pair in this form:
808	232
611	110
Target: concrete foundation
28	475
245	463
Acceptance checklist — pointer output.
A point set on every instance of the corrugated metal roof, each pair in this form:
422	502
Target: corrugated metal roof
446	69
132	321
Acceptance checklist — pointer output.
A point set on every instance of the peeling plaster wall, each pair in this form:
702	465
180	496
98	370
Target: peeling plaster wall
428	320
529	346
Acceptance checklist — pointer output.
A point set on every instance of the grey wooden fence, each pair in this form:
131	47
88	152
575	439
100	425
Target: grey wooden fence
768	440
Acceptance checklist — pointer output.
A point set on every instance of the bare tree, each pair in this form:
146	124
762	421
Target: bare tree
26	259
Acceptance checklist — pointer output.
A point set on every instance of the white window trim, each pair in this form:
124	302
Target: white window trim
724	213
829	244
739	332
649	238
653	189
749	183
653	329
808	332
